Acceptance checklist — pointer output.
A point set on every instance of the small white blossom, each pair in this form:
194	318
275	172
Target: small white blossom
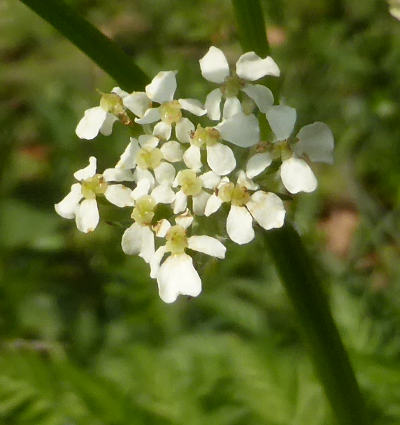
265	208
315	142
101	118
176	275
192	186
80	203
249	67
161	90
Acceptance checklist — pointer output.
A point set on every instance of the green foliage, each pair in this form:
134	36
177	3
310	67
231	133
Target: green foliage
84	337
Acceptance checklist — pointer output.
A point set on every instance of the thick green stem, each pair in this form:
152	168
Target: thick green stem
103	51
296	271
308	298
252	37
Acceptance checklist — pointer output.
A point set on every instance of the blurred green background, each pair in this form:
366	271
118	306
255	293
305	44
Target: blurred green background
85	338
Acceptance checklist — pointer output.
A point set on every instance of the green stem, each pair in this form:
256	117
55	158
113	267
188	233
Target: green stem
251	26
296	271
309	300
103	51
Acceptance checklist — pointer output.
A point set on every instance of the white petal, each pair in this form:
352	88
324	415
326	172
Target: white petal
172	151
207	245
214	66
162	87
107	126
151	115
128	158
220	158
156	260
232	106
89	126
162	130
193	106
163	194
87	215
185	219
251	67
148	141
67	207
132	239
282	119
213	103
161	228
267	209
138	239
119	195
239	225
261	95
144	183
177	276
183	130
214	202
192	157
87	172
144	175
241	130
180	202
316	141
257	164
118	91
297	176
210	180
200	202
147	248
137	102
245	181
165	173
118	175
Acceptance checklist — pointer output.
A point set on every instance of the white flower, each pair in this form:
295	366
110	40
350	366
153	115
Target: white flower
249	67
145	157
101	118
139	237
80	203
266	209
161	90
315	141
177	275
193	186
220	157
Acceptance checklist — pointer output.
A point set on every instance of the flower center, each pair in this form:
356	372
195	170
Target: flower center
232	86
149	158
171	112
205	136
143	212
176	240
236	194
281	150
191	185
112	103
93	186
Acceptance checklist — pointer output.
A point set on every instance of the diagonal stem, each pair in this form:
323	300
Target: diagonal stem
310	302
103	51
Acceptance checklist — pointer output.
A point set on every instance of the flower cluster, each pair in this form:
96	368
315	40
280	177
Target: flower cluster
192	170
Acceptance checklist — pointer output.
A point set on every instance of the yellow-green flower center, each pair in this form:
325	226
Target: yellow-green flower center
205	136
191	185
176	240
93	186
232	86
112	103
171	112
281	150
235	194
143	213
149	158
